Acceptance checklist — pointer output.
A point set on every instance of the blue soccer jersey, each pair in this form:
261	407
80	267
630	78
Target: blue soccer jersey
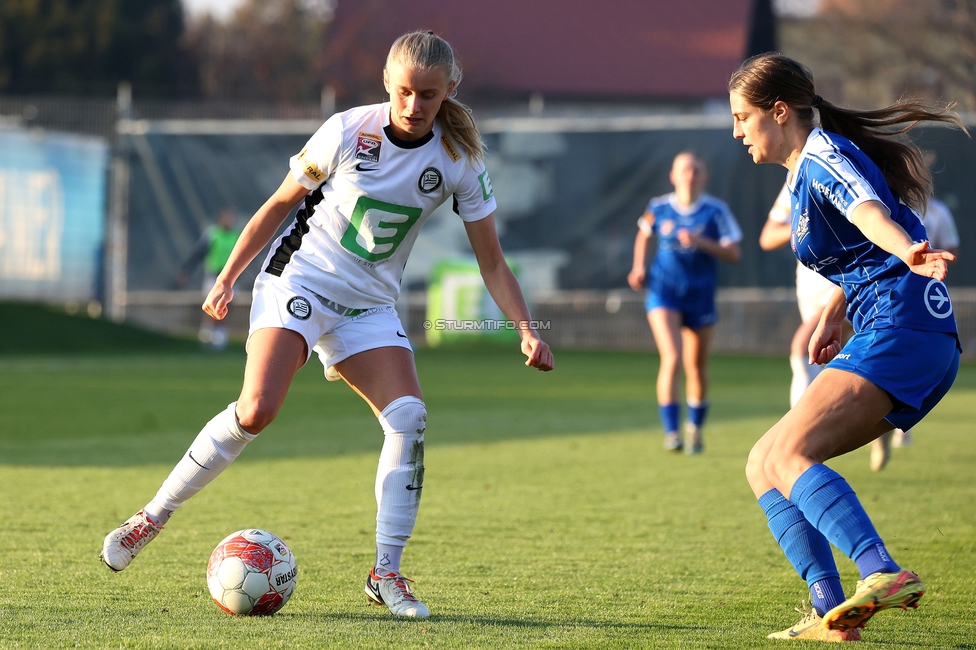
831	178
680	273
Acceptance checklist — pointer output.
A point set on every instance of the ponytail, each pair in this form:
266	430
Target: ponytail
458	122
768	78
899	160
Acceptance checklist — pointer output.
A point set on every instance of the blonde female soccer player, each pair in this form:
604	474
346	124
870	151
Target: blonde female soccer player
853	190
693	231
367	181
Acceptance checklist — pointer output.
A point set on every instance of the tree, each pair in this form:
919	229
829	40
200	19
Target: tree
88	46
268	50
868	53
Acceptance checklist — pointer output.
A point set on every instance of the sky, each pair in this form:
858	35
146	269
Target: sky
220	9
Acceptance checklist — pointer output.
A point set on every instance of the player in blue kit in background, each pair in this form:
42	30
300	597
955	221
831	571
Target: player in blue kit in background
693	231
853	189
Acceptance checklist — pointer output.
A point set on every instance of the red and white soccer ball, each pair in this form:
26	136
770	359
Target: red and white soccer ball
251	573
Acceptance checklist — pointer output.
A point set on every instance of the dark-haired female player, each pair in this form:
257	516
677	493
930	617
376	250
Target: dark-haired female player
854	191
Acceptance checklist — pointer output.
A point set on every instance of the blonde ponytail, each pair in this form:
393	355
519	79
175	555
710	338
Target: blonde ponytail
458	122
427	50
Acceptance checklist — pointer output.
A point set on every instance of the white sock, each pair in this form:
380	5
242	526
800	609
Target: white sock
213	450
801	378
400	473
813	370
388	558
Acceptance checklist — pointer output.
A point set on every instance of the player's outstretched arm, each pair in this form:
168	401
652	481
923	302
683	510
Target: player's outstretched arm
872	218
930	262
255	236
505	290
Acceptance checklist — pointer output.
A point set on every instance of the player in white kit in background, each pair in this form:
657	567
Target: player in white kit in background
369	178
812	293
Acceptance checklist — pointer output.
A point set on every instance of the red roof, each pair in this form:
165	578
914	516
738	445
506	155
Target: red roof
577	48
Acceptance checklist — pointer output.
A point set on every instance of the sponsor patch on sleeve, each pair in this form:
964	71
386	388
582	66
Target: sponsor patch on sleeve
486	189
368	147
310	168
451	151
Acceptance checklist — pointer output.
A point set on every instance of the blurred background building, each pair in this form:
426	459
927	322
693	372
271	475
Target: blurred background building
125	125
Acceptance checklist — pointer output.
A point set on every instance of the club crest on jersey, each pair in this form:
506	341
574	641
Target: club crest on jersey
300	308
430	180
666	227
802	227
368	147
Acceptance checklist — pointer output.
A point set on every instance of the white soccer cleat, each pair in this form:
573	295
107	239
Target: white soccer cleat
393	590
672	442
123	544
693	440
903	438
881	452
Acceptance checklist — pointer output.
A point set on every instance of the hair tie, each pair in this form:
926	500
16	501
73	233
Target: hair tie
816	101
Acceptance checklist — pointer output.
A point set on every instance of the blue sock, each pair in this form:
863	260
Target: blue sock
874	559
806	549
829	503
670	416
697	413
826	594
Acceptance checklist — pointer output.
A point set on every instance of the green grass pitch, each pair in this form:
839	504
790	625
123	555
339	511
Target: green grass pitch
551	516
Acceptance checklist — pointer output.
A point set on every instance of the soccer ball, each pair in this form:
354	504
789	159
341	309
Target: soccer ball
251	573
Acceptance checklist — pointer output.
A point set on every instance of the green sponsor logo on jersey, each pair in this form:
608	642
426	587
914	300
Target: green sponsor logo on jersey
370	238
486	189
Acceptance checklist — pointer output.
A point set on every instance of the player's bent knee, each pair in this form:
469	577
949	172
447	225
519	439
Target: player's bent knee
755	467
779	466
404	415
256	414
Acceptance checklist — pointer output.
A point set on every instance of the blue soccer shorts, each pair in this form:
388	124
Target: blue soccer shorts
696	313
915	368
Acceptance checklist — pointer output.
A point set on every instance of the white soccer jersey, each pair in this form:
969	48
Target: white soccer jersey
812	289
939	225
370	194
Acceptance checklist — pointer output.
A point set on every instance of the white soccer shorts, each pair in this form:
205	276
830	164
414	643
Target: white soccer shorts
813	291
333	331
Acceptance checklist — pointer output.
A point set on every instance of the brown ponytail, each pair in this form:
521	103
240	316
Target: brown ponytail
424	51
768	78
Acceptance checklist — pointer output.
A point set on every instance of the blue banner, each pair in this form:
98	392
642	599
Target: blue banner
52	215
